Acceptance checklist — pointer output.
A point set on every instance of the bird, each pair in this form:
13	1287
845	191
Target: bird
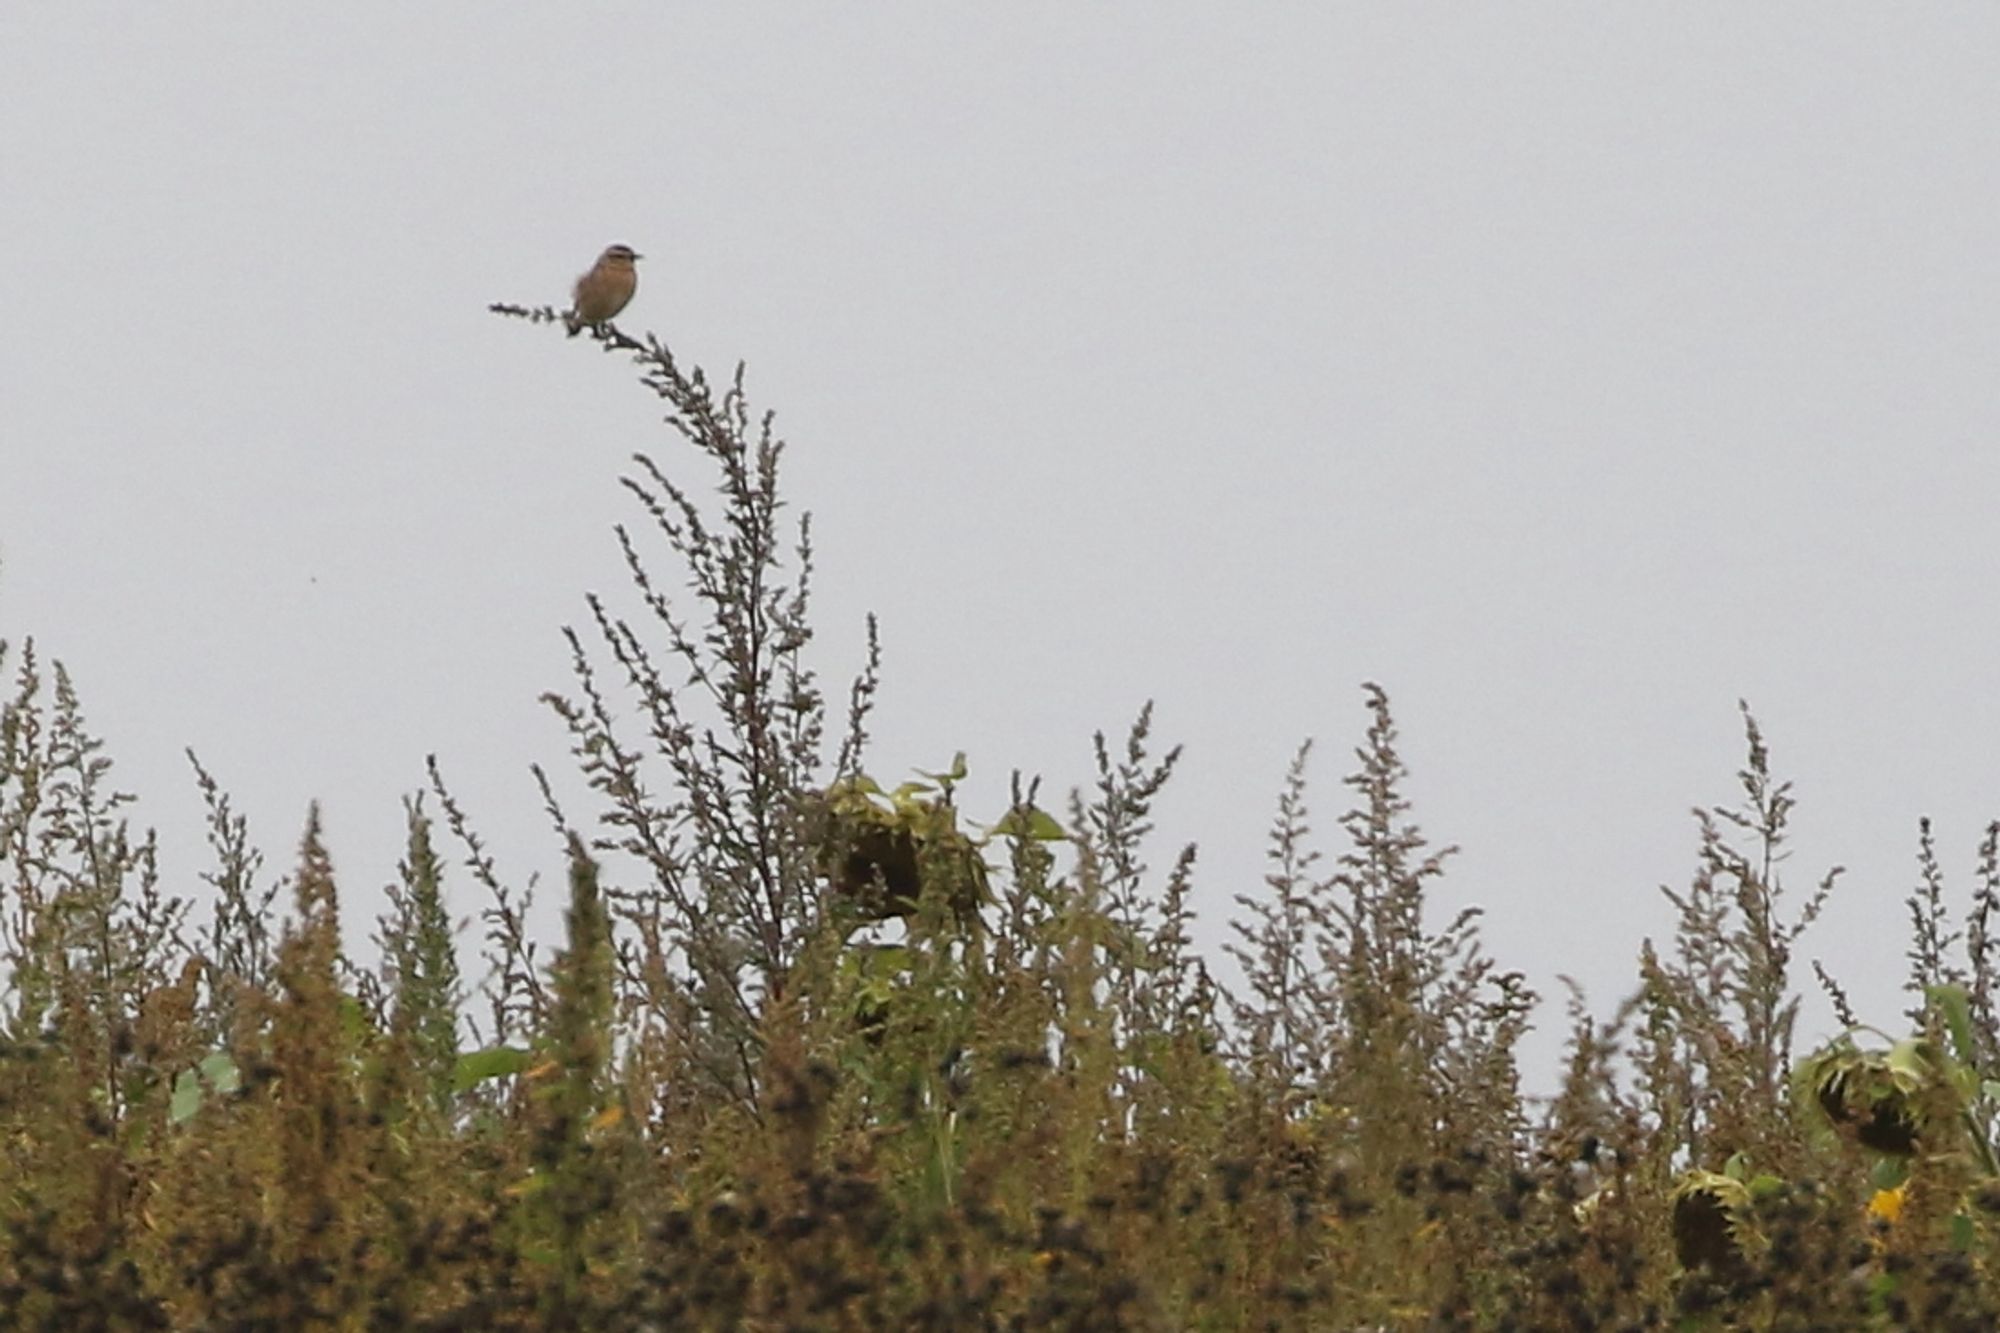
605	290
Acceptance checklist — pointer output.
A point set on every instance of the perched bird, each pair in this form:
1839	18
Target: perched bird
604	291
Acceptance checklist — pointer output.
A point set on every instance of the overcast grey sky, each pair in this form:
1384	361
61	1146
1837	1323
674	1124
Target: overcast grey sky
1571	370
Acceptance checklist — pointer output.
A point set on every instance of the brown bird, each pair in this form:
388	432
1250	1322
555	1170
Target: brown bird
605	290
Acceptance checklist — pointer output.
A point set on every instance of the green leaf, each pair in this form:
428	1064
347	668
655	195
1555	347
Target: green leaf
1889	1173
475	1067
221	1072
187	1098
1765	1186
528	1186
1909	1064
855	790
1956	1006
874	960
216	1073
1028	822
956	773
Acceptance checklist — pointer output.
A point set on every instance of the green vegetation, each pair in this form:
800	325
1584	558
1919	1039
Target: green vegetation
818	1054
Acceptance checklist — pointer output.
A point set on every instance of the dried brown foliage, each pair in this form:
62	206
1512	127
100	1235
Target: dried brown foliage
819	1055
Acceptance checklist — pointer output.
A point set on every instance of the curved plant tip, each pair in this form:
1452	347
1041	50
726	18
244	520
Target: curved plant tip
1030	822
475	1067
